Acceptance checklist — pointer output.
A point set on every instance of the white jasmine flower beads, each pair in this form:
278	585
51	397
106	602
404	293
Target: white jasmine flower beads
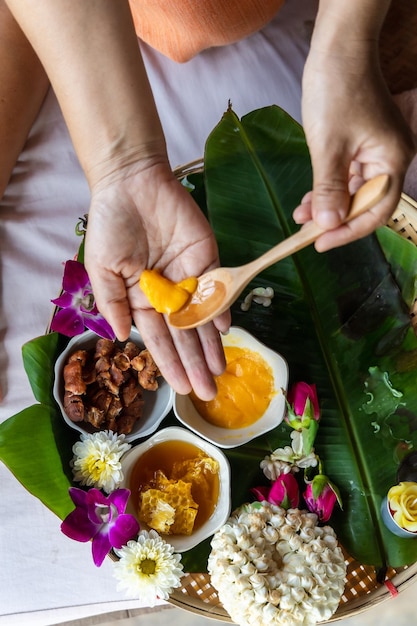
276	567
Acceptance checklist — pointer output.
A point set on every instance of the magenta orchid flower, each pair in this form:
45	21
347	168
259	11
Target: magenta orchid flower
283	492
78	309
100	518
303	408
321	496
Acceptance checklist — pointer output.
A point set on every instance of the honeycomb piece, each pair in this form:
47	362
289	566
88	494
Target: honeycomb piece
175	493
191	469
160	518
195	471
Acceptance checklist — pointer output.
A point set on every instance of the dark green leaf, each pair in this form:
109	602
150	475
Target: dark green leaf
39	356
400	253
30	448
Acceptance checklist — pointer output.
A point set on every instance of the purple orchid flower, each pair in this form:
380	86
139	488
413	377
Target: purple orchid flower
100	518
302	406
321	496
77	305
283	492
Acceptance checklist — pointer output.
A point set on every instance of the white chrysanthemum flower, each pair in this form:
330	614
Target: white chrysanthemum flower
299	579
96	461
148	569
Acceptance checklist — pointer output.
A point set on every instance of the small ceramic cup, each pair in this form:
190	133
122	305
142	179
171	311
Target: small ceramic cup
392	525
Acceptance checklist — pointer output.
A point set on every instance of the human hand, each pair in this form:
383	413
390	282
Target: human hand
144	218
354	132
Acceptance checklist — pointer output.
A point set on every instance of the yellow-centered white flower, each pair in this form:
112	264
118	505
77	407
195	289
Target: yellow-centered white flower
96	461
147	568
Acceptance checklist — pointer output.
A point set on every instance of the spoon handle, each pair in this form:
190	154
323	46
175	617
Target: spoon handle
367	196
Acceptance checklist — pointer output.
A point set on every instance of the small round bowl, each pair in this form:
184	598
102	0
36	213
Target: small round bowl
187	414
182	543
392	525
157	404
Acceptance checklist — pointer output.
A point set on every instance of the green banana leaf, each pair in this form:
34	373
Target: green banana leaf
36	458
34	444
37	364
340	319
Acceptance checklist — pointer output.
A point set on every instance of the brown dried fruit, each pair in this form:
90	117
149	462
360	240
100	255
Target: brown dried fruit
103	386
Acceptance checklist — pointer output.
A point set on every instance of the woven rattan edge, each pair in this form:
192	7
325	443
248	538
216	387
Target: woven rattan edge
369	599
199	607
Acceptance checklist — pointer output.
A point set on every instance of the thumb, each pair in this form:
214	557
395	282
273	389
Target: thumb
330	198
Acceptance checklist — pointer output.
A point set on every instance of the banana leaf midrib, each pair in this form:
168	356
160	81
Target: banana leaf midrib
261	173
340	393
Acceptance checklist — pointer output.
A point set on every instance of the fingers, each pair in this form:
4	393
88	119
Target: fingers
222	323
330	198
111	299
330	204
303	213
363	225
187	359
359	227
212	348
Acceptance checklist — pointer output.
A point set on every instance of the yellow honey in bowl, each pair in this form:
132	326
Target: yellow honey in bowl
163	294
175	487
244	390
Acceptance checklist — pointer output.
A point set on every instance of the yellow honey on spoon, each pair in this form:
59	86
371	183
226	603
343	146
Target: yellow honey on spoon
165	295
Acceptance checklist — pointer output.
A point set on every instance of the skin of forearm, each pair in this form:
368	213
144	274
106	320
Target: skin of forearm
91	54
23	86
346	25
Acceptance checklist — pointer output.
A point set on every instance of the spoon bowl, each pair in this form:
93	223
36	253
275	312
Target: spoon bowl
218	289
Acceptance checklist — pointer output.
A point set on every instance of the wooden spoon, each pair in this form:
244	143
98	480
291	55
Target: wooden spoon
218	289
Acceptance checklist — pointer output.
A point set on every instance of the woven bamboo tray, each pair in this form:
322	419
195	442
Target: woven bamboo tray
362	590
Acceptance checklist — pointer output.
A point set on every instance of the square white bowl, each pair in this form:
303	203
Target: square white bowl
187	414
221	513
157	404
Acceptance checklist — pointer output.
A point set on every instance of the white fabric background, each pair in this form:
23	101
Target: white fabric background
46	578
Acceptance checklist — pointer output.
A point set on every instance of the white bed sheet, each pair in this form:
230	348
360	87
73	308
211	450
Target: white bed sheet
45	578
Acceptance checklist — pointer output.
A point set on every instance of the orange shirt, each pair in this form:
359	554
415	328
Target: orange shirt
180	29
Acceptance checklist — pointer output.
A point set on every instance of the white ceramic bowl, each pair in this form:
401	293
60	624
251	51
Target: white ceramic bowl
221	513
188	415
157	404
